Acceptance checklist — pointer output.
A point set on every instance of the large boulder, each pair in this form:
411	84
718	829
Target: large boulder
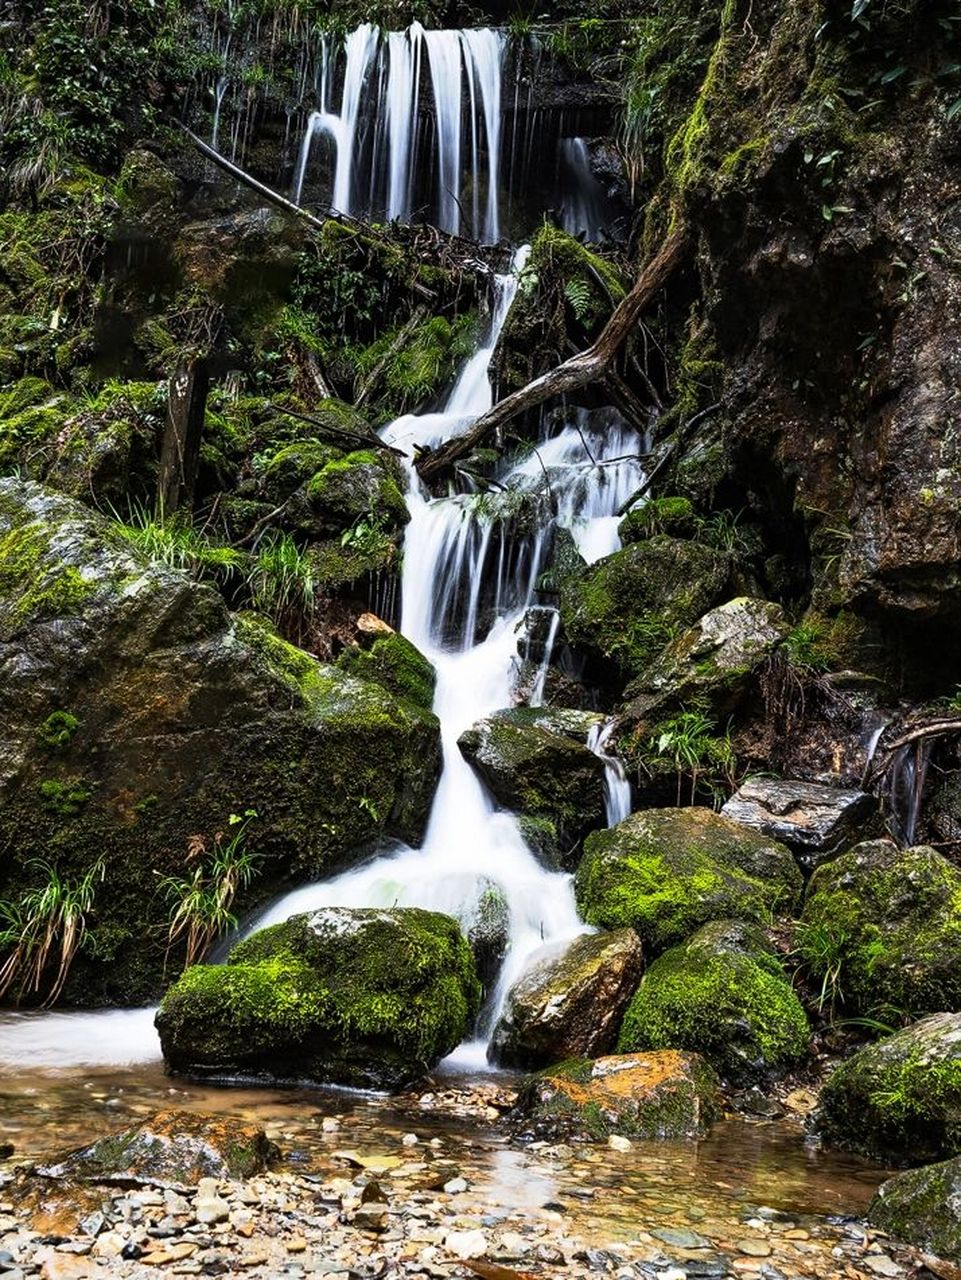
136	715
621	611
886	923
353	996
170	1149
360	486
813	819
383	656
665	1095
723	994
665	872
569	1005
539	773
923	1208
899	1100
709	664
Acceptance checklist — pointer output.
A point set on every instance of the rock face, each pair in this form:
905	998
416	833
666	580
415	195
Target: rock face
711	663
623	609
900	1099
665	872
539	773
136	714
664	1095
569	1005
923	1208
813	819
722	994
889	921
171	1149
361	997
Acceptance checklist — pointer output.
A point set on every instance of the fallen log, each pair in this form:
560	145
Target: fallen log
580	370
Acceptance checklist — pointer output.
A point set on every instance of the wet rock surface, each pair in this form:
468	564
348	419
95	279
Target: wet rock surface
665	872
813	819
923	1207
354	996
570	1004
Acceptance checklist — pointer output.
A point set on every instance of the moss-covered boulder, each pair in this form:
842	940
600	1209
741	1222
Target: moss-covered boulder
350	996
170	1149
666	1095
887	923
899	1100
569	1004
709	665
488	928
621	611
923	1208
168	716
723	994
538	772
385	657
672	516
363	486
665	872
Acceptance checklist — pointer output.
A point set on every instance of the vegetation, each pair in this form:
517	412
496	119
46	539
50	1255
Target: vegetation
46	928
697	751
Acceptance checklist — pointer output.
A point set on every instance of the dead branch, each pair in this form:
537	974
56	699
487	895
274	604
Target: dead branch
367	439
580	370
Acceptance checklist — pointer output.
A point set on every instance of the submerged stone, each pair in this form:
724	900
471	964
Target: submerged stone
665	872
723	994
569	1004
899	1099
355	996
887	922
170	1149
666	1095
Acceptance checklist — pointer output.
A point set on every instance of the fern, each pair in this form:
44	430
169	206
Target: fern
580	298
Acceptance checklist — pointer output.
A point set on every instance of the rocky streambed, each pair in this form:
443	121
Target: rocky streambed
429	1183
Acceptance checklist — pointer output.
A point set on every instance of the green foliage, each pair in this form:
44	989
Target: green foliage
58	729
46	925
201	902
281	584
64	798
179	544
697	751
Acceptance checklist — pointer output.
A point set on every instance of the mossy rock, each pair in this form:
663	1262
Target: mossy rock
899	1100
537	772
920	1207
488	931
569	1004
622	611
665	1095
360	997
292	466
666	872
172	1149
362	486
183	716
723	994
674	517
394	663
888	921
567	721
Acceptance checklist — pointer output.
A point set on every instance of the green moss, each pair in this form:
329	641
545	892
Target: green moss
733	1004
885	925
666	872
363	996
346	489
64	798
395	664
672	516
58	729
31	591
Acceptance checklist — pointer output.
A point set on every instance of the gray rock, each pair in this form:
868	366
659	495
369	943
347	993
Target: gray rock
923	1208
811	818
569	1005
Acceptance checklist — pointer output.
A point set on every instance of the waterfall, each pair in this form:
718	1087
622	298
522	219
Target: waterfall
382	86
617	786
453	557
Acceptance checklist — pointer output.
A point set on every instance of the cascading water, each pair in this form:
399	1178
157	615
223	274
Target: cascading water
382	88
617	785
451	554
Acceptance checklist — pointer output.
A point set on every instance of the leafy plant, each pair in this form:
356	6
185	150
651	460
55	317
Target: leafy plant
177	544
697	751
821	950
281	584
46	926
201	902
368	536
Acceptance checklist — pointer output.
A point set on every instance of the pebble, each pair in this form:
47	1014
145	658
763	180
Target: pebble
881	1265
754	1248
466	1244
617	1143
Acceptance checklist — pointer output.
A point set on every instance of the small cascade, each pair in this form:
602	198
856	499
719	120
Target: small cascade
378	138
466	592
584	205
617	786
907	777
